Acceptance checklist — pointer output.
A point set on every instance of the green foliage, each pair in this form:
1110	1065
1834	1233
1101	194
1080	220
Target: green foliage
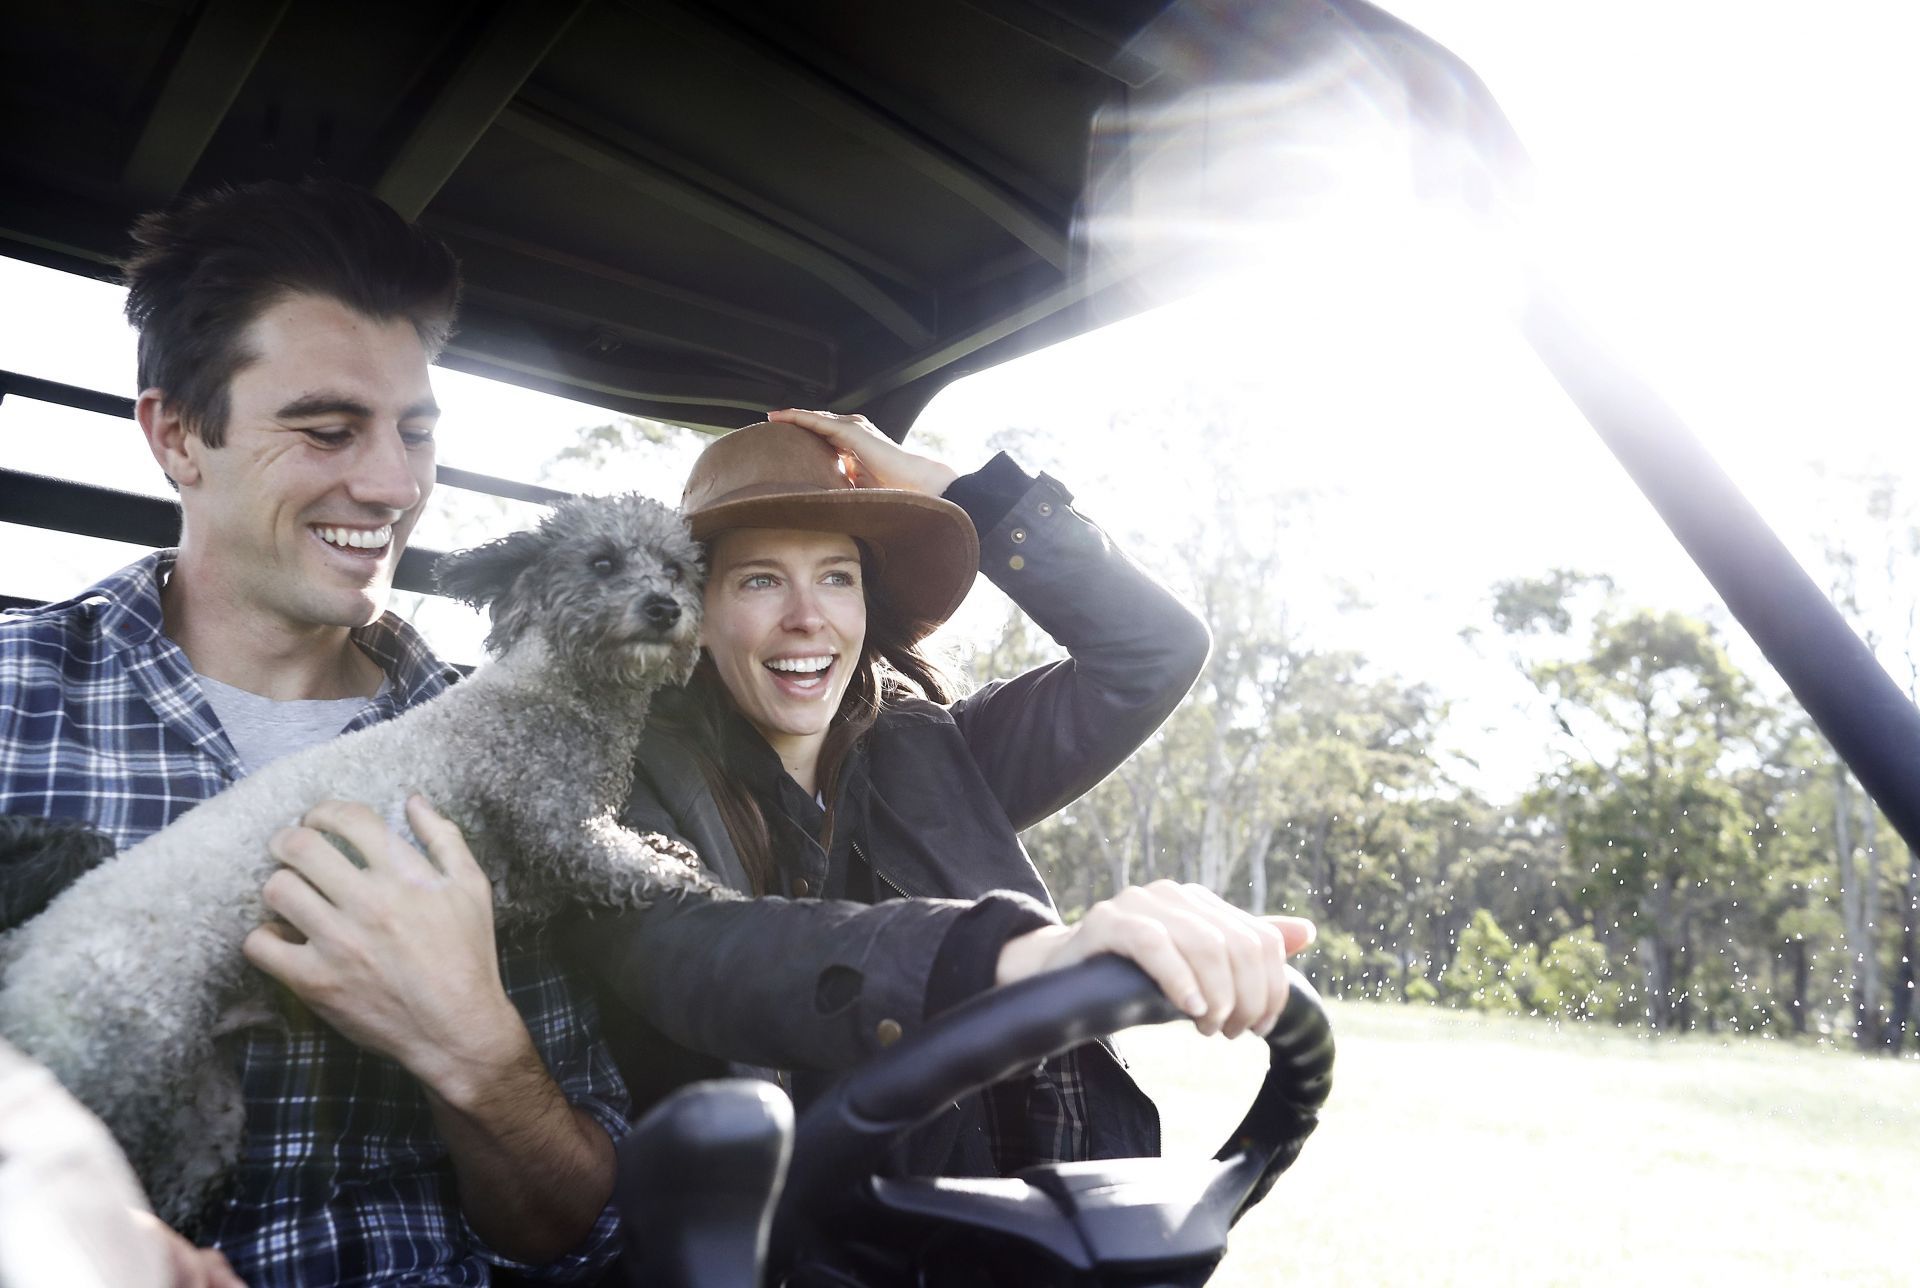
1577	981
1487	972
1337	963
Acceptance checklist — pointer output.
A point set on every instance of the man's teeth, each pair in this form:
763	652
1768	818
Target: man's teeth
800	665
357	538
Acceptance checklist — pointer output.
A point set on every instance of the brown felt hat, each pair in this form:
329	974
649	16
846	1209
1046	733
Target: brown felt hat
782	476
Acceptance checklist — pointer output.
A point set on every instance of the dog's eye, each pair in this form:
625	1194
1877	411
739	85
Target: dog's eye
675	574
602	564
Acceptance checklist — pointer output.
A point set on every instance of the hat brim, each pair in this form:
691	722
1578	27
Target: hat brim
925	547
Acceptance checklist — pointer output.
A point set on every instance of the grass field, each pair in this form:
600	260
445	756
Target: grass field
1462	1149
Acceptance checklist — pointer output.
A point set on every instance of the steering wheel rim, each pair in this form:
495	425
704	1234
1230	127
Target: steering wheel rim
844	1136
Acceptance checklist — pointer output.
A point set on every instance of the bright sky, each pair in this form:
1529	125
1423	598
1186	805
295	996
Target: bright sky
1732	185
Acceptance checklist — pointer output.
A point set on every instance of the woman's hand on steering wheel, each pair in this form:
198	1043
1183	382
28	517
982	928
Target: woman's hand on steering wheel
1220	965
869	457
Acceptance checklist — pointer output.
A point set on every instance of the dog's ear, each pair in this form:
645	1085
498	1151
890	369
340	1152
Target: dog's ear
482	575
40	857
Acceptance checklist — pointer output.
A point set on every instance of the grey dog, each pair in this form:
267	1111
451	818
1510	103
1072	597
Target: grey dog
124	983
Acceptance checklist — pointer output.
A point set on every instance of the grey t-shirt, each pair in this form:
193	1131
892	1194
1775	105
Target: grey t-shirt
264	729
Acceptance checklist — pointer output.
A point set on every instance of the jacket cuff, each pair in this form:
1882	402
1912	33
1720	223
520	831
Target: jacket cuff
969	956
989	494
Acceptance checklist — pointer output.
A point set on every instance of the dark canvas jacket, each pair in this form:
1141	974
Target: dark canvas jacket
936	797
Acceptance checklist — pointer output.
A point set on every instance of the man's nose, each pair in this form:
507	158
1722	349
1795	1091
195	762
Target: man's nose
386	474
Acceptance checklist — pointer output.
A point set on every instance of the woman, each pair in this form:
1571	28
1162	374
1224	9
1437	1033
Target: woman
817	753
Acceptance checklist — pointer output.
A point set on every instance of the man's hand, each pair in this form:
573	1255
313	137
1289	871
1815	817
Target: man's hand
1222	966
187	1266
399	956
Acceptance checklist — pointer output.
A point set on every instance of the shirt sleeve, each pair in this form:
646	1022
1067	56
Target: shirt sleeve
564	1024
969	955
989	494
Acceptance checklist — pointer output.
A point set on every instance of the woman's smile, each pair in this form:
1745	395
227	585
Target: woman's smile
786	615
802	677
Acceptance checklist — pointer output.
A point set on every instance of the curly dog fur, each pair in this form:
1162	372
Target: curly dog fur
124	983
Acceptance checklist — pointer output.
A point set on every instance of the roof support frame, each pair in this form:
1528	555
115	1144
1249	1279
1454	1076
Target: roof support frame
199	89
700	322
581	373
620	155
899	106
496	66
1042	231
1044	23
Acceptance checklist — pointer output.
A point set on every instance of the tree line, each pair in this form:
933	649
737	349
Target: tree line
1691	855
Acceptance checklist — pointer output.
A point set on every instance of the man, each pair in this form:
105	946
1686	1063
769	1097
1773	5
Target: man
429	1104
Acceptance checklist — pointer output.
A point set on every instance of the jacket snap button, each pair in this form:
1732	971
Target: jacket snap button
802	887
1018	535
887	1032
1046	509
1016	563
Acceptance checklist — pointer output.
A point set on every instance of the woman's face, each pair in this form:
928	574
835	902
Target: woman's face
785	617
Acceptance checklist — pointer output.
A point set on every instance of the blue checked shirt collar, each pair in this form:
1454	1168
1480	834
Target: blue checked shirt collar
131	617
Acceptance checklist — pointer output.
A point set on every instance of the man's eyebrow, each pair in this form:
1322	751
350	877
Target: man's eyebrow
324	405
339	405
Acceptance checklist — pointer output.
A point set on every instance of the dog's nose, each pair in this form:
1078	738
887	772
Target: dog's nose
660	611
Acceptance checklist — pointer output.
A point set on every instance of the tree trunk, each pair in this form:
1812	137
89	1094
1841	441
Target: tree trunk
1854	916
1257	873
1653	961
1871	1019
1319	864
1149	850
1680	970
1901	1021
1213	842
1802	977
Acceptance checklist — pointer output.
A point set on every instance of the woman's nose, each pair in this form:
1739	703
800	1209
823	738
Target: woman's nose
803	610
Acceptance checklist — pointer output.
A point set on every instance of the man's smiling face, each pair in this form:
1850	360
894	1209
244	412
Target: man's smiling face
302	512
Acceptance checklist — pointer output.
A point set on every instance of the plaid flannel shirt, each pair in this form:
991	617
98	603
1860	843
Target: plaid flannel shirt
342	1178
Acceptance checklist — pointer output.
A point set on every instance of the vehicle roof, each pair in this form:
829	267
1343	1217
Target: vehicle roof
686	209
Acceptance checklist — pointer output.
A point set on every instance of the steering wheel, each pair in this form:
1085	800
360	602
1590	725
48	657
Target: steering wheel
1138	1221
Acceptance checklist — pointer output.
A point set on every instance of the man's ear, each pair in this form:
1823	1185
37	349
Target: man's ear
175	448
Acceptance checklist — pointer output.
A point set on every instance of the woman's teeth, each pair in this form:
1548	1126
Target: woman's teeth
802	666
357	538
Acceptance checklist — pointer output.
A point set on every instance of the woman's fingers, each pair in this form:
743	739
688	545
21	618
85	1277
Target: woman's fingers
869	457
1298	932
1148	942
1225	968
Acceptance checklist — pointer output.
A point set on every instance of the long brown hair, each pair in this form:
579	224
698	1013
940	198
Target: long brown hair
891	668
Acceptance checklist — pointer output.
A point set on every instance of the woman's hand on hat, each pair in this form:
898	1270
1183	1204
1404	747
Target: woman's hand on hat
869	457
1222	966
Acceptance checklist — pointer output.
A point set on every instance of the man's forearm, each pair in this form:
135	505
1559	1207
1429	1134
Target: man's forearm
534	1172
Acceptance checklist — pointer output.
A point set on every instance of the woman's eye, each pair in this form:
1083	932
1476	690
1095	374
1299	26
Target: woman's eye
602	564
842	579
758	581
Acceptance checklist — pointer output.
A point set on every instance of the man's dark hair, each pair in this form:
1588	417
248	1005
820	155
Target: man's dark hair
207	267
